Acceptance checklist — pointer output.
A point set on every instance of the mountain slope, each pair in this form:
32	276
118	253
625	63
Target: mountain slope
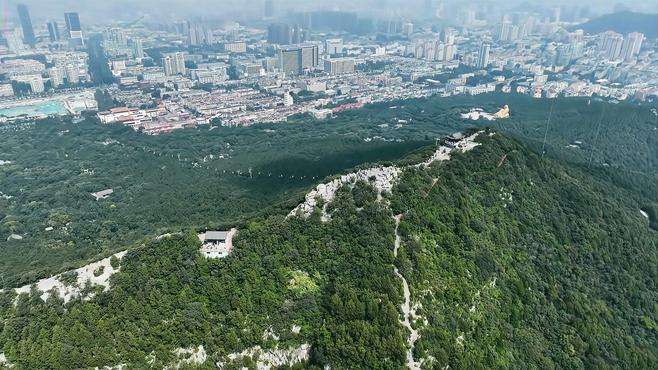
511	260
623	22
222	176
516	260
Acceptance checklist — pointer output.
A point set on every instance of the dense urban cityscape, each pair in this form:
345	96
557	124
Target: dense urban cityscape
158	77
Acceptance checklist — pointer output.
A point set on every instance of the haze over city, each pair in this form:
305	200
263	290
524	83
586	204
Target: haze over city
125	10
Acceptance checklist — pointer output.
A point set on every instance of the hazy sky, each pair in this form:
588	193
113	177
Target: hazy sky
107	10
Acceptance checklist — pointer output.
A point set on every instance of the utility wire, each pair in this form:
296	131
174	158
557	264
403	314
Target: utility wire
548	122
596	136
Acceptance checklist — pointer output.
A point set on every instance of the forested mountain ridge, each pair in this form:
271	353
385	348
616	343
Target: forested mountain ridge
507	247
512	260
215	177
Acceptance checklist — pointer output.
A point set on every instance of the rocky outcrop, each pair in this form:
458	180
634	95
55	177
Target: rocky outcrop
70	284
381	178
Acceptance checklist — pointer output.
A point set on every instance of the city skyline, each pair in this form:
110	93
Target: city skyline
99	12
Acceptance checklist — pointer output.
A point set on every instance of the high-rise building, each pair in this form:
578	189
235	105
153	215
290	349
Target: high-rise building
235	47
448	36
35	81
250	69
577	36
308	19
445	50
428	50
637	43
423	50
514	33
179	59
290	61
72	73
117	66
53	31
611	44
209	36
528	26
288	100
556	14
193	35
168	65
563	55
199	34
269	9
439	51
631	46
174	63
6	90
310	56
294	60
56	75
470	17
417	50
72	20
504	31
73	29
407	28
36	84
339	66
181	27
115	36
449	52
26	25
138	48
13	39
270	64
483	56
577	49
390	27
279	33
439	10
299	35
333	46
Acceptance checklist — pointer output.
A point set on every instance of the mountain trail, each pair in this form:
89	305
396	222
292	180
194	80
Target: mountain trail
406	305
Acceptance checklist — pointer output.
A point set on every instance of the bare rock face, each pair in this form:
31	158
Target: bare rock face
272	358
94	274
381	178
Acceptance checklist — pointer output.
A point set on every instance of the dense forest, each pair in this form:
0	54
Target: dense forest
222	176
513	260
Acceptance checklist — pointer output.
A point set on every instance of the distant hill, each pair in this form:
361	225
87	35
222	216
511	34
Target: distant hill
623	22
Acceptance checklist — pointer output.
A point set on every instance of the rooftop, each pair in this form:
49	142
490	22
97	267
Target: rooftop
216	235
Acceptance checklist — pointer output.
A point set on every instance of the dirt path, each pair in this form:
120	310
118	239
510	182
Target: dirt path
397	235
406	305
